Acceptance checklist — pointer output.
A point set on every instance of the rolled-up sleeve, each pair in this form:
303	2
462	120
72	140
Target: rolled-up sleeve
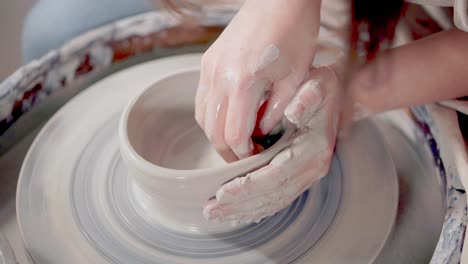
460	16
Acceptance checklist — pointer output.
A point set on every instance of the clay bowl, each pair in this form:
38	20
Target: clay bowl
174	168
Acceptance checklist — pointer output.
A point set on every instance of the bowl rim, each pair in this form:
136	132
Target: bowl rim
128	151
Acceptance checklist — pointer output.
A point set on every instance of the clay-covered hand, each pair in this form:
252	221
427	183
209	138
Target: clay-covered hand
264	53
315	110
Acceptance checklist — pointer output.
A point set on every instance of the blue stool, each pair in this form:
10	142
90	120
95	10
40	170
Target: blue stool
50	23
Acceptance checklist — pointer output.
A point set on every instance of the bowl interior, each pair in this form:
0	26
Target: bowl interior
162	127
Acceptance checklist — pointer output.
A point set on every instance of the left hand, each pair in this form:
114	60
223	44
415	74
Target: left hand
315	110
255	60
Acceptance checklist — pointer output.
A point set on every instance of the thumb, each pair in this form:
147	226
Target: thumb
311	96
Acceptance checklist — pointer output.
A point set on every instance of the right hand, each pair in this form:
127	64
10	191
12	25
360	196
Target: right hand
316	112
264	54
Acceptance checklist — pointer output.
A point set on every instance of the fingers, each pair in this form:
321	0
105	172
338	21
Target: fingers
269	189
243	105
254	184
259	207
266	191
311	96
305	103
200	103
227	111
281	94
284	167
203	89
279	174
216	109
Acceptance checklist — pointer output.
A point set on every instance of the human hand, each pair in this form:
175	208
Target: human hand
315	110
264	54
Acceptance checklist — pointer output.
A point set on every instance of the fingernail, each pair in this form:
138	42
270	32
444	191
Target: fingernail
244	222
217	220
235	223
215	215
223	198
199	118
201	88
264	124
305	104
233	191
245	150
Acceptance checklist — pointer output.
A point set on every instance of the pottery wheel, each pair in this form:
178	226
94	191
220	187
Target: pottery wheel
76	202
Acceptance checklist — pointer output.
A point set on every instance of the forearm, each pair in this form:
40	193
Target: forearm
429	70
